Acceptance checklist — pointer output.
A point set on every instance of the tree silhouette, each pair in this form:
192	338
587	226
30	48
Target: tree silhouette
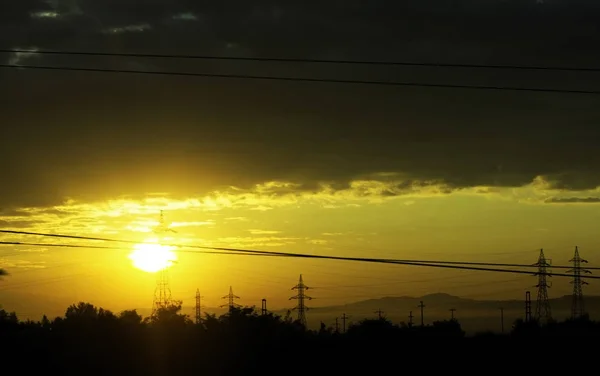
239	342
81	311
130	317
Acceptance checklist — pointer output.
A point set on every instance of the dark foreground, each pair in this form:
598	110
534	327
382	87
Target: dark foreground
92	341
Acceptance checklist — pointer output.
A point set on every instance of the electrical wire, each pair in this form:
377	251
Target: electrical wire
301	60
103	247
304	79
15	232
236	251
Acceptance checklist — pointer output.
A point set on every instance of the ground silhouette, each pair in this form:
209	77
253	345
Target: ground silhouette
90	340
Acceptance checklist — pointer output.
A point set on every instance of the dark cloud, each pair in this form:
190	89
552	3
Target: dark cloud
573	200
91	136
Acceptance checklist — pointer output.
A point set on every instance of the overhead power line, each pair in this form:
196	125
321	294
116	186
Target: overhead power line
56	245
304	79
235	251
303	60
65	236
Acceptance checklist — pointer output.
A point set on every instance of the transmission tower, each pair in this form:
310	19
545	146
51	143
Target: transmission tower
300	297
344	319
410	319
379	313
263	310
577	307
452	310
162	292
527	306
421	305
198	307
542	309
231	300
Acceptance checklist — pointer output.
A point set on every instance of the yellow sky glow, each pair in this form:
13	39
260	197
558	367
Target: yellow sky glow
480	224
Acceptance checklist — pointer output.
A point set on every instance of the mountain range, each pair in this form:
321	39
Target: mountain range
474	315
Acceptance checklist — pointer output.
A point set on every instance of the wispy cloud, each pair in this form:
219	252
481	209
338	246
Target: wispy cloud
263	232
139	28
192	224
187	16
22	264
267	241
573	200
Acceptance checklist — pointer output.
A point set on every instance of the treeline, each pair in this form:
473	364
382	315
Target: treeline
91	340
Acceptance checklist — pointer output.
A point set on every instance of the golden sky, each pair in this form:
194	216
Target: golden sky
487	225
352	170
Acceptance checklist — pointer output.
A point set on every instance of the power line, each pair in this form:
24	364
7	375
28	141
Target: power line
248	252
304	79
303	60
59	245
237	251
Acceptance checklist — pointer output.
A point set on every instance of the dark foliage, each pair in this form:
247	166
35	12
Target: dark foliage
92	341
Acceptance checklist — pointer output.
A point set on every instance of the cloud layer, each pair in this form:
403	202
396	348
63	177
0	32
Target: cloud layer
97	136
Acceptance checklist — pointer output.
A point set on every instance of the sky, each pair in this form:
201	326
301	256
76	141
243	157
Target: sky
319	168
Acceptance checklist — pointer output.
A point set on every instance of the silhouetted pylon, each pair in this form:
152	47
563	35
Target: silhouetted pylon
452	310
231	304
198	307
263	309
542	309
162	292
300	297
577	306
527	306
344	319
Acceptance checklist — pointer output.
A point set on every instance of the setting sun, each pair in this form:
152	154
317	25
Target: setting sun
152	258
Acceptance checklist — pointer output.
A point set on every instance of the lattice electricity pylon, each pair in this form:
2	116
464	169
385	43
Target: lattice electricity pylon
263	308
162	228
577	306
198	307
231	304
300	297
162	292
542	309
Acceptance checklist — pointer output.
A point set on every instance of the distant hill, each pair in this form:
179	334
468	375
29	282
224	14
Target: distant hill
474	315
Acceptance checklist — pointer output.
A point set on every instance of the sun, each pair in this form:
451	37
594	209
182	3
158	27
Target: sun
152	258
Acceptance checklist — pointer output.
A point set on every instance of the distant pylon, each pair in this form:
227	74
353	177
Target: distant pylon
231	300
542	309
421	305
452	310
344	319
577	307
379	313
198	307
301	296
263	310
410	319
162	292
527	306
